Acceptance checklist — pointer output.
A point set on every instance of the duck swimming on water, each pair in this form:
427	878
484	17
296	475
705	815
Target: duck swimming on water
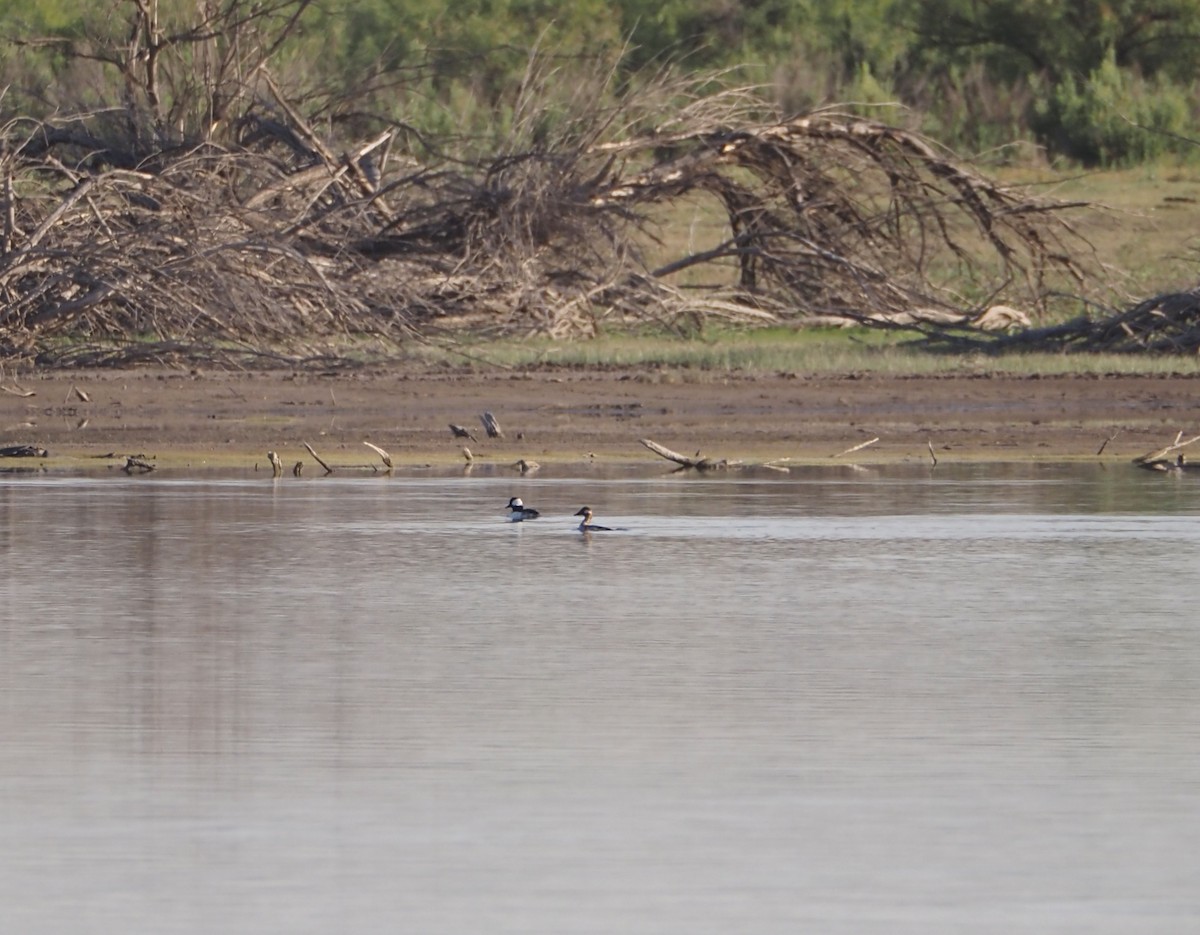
519	512
586	525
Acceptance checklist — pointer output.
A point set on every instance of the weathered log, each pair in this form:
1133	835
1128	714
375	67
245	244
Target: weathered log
697	463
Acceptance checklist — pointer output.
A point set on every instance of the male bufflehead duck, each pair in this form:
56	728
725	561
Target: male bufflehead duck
586	525
519	512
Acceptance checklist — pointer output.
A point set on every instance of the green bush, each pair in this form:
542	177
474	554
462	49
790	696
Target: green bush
1114	118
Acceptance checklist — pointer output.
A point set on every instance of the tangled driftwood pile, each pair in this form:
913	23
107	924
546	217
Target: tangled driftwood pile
207	213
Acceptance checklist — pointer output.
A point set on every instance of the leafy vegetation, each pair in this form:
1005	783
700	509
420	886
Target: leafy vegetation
1099	82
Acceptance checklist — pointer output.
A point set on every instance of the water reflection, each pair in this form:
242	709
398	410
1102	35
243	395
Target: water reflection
893	701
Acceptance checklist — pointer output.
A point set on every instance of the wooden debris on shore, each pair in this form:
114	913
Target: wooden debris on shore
525	466
696	463
491	426
317	458
1162	460
460	431
384	456
276	464
23	451
1168	323
858	447
138	464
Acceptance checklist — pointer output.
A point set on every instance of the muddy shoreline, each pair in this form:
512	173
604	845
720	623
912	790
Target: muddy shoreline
203	418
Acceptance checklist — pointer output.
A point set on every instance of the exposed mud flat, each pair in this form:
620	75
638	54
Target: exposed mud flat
221	418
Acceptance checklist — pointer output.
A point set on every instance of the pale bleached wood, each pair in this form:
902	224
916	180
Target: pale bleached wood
384	456
859	447
1157	460
696	462
317	458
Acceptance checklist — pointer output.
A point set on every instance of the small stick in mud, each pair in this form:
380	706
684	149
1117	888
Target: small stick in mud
932	456
317	458
1104	444
276	464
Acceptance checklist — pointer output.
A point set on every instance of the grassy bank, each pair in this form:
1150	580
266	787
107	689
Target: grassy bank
785	350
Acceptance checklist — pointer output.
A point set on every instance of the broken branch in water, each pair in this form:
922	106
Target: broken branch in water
1160	460
317	458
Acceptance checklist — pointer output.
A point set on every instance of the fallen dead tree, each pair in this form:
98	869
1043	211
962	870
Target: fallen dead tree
256	240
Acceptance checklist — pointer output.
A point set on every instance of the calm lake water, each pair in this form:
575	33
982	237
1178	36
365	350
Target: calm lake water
902	700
